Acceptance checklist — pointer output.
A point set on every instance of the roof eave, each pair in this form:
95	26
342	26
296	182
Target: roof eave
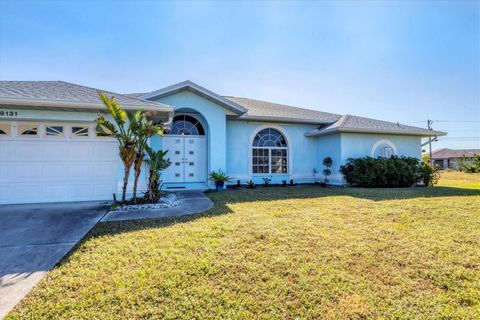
432	133
79	105
195	88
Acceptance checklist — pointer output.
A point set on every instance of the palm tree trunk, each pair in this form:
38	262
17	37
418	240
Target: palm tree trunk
126	174
138	168
152	194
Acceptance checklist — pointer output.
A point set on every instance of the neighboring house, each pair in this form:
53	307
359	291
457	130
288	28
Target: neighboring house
447	158
50	150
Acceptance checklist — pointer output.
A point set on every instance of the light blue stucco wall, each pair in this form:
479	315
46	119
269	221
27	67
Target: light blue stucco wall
229	141
215	118
50	115
307	153
356	145
329	146
302	151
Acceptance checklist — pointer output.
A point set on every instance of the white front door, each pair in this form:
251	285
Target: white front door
188	157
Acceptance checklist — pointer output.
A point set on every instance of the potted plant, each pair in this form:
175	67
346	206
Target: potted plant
219	177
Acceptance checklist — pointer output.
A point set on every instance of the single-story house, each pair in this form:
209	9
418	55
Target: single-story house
447	158
50	150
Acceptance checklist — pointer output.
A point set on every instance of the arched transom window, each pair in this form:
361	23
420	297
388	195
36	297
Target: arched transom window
186	125
269	152
384	149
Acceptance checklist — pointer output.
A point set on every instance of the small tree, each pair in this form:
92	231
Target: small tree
144	130
315	172
124	132
469	165
157	162
327	163
429	174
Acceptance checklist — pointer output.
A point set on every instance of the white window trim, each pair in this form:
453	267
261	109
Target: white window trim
91	130
55	124
385	152
197	116
38	125
270	160
288	148
67	127
379	143
10	133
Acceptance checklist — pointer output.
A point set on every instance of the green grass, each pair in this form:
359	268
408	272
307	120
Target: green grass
460	179
280	253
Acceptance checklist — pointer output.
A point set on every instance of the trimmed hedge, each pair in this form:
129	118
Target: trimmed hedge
393	172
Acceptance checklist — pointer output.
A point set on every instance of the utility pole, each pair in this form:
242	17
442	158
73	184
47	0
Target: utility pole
429	125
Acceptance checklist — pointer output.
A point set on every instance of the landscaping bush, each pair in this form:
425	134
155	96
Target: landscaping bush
471	165
390	172
430	174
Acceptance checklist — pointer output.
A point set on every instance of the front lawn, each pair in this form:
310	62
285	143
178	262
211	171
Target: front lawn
459	179
276	253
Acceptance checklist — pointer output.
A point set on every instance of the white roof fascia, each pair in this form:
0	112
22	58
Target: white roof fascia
315	133
189	84
80	105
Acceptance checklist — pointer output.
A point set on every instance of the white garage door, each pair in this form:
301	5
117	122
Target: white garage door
42	162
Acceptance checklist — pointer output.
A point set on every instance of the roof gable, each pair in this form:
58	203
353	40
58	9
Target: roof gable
198	90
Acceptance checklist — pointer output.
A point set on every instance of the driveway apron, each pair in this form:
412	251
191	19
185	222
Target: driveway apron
33	239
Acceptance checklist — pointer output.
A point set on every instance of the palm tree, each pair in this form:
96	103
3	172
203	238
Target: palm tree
145	129
124	132
157	162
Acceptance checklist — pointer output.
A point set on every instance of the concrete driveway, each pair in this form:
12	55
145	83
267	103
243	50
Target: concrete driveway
33	238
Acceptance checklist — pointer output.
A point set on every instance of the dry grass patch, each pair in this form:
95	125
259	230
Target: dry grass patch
460	179
294	252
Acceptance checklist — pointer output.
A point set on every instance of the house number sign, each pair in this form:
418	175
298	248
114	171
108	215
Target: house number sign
8	113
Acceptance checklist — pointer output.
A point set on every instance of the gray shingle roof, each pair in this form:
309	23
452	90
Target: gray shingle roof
446	153
334	122
258	109
63	92
134	95
349	123
263	110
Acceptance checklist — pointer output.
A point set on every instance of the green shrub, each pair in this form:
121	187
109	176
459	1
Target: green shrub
393	172
219	176
430	174
469	165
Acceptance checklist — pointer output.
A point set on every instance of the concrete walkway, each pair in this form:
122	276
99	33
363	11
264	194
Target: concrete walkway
191	202
33	238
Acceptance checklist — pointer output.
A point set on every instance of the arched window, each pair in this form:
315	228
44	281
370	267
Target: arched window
383	149
186	125
269	152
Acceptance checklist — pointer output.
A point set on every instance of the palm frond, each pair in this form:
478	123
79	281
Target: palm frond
105	126
113	106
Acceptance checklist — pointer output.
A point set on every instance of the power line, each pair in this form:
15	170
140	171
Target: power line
456	137
451	121
462	121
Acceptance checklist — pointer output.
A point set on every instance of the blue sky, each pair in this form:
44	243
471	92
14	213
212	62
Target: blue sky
398	61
